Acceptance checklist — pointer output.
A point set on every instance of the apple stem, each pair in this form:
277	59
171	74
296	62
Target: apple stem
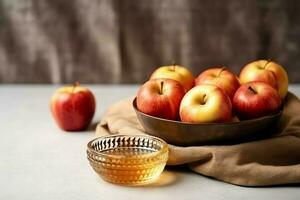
203	99
161	87
252	90
74	86
222	69
173	66
268	61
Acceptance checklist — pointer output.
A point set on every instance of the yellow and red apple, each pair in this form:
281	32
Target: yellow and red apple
73	107
266	71
160	98
175	72
256	99
205	104
221	77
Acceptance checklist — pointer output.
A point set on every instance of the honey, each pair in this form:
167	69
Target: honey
128	160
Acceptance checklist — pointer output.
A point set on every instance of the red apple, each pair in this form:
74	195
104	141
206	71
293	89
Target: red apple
177	73
160	98
205	103
73	107
221	77
266	71
256	99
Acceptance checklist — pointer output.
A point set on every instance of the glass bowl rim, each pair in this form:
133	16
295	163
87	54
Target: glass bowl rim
163	149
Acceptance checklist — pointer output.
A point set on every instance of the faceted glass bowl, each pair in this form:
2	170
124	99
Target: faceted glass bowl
128	159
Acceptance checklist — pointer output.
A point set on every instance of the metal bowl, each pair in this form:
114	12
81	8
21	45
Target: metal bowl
187	134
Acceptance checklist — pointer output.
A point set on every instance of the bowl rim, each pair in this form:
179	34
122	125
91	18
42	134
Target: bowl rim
164	148
209	123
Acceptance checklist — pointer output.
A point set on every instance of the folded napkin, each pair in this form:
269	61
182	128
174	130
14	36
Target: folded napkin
271	161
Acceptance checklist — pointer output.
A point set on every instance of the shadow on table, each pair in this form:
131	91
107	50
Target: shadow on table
92	126
171	177
168	177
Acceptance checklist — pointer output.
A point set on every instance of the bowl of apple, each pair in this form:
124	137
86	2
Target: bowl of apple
217	107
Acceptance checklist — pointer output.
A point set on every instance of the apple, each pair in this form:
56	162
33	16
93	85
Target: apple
205	103
256	99
175	72
221	77
73	107
160	98
266	71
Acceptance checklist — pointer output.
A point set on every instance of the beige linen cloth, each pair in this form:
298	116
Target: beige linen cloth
271	161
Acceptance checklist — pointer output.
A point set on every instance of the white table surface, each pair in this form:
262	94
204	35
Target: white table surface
39	161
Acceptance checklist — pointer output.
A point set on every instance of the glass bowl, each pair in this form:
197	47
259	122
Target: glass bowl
128	159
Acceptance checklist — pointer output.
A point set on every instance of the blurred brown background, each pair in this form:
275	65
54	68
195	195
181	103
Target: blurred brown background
122	41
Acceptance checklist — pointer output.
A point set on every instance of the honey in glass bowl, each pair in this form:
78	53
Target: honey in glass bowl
128	159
